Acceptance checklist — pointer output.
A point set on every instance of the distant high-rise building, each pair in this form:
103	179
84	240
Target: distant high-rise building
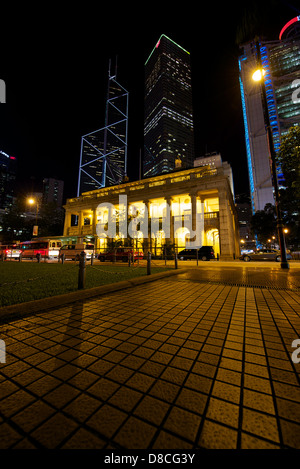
53	191
8	169
168	118
214	161
281	65
244	212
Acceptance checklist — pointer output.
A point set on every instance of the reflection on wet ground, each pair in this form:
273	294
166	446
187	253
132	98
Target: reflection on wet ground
242	276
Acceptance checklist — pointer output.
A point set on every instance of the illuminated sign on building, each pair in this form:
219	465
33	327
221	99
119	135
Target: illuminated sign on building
288	24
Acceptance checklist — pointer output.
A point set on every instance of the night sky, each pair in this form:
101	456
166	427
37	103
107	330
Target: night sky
54	61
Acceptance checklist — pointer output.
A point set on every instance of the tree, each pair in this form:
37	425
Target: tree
263	223
51	220
256	19
289	160
14	225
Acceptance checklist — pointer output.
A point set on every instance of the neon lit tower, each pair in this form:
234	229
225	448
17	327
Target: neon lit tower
103	156
281	64
168	118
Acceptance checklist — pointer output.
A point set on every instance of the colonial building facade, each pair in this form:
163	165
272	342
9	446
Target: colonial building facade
167	209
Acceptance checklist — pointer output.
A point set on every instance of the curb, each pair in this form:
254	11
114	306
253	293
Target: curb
31	307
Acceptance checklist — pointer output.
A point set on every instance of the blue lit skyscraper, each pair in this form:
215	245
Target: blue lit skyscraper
168	119
281	64
103	157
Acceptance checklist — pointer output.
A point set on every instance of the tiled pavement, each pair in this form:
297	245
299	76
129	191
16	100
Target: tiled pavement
173	364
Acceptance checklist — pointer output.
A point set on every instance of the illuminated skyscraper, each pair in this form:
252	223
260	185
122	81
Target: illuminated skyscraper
103	158
281	64
168	119
8	169
53	191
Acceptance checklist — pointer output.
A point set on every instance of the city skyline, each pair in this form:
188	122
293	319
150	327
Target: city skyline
60	94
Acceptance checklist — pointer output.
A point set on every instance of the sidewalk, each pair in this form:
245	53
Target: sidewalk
178	363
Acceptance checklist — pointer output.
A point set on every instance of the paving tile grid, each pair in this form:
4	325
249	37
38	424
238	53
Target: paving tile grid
167	365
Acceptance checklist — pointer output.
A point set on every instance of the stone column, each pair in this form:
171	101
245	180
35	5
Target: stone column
201	200
227	241
147	240
67	223
80	223
94	223
193	197
170	219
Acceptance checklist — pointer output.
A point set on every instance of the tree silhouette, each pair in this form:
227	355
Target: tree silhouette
257	19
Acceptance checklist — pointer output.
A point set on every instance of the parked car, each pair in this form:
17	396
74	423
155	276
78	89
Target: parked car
12	251
72	251
264	255
205	253
120	254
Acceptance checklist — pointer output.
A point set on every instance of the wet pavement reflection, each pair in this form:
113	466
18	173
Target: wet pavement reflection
246	276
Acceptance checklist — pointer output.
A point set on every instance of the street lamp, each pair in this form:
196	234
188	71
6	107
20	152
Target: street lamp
31	202
258	76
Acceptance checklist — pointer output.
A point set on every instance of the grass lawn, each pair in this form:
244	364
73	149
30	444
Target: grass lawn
27	281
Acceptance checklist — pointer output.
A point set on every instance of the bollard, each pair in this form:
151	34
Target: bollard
2	351
20	257
129	259
149	263
38	256
62	258
92	258
176	261
81	272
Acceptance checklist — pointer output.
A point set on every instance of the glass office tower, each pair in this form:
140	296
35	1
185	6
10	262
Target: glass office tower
103	157
8	172
281	64
168	119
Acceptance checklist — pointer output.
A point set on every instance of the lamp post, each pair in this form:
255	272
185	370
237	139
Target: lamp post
258	76
32	201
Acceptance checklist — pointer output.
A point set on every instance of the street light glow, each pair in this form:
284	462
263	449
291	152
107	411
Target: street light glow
258	74
31	201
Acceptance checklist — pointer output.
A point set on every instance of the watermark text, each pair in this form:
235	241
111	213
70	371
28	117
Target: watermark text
296	92
296	353
2	91
134	222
